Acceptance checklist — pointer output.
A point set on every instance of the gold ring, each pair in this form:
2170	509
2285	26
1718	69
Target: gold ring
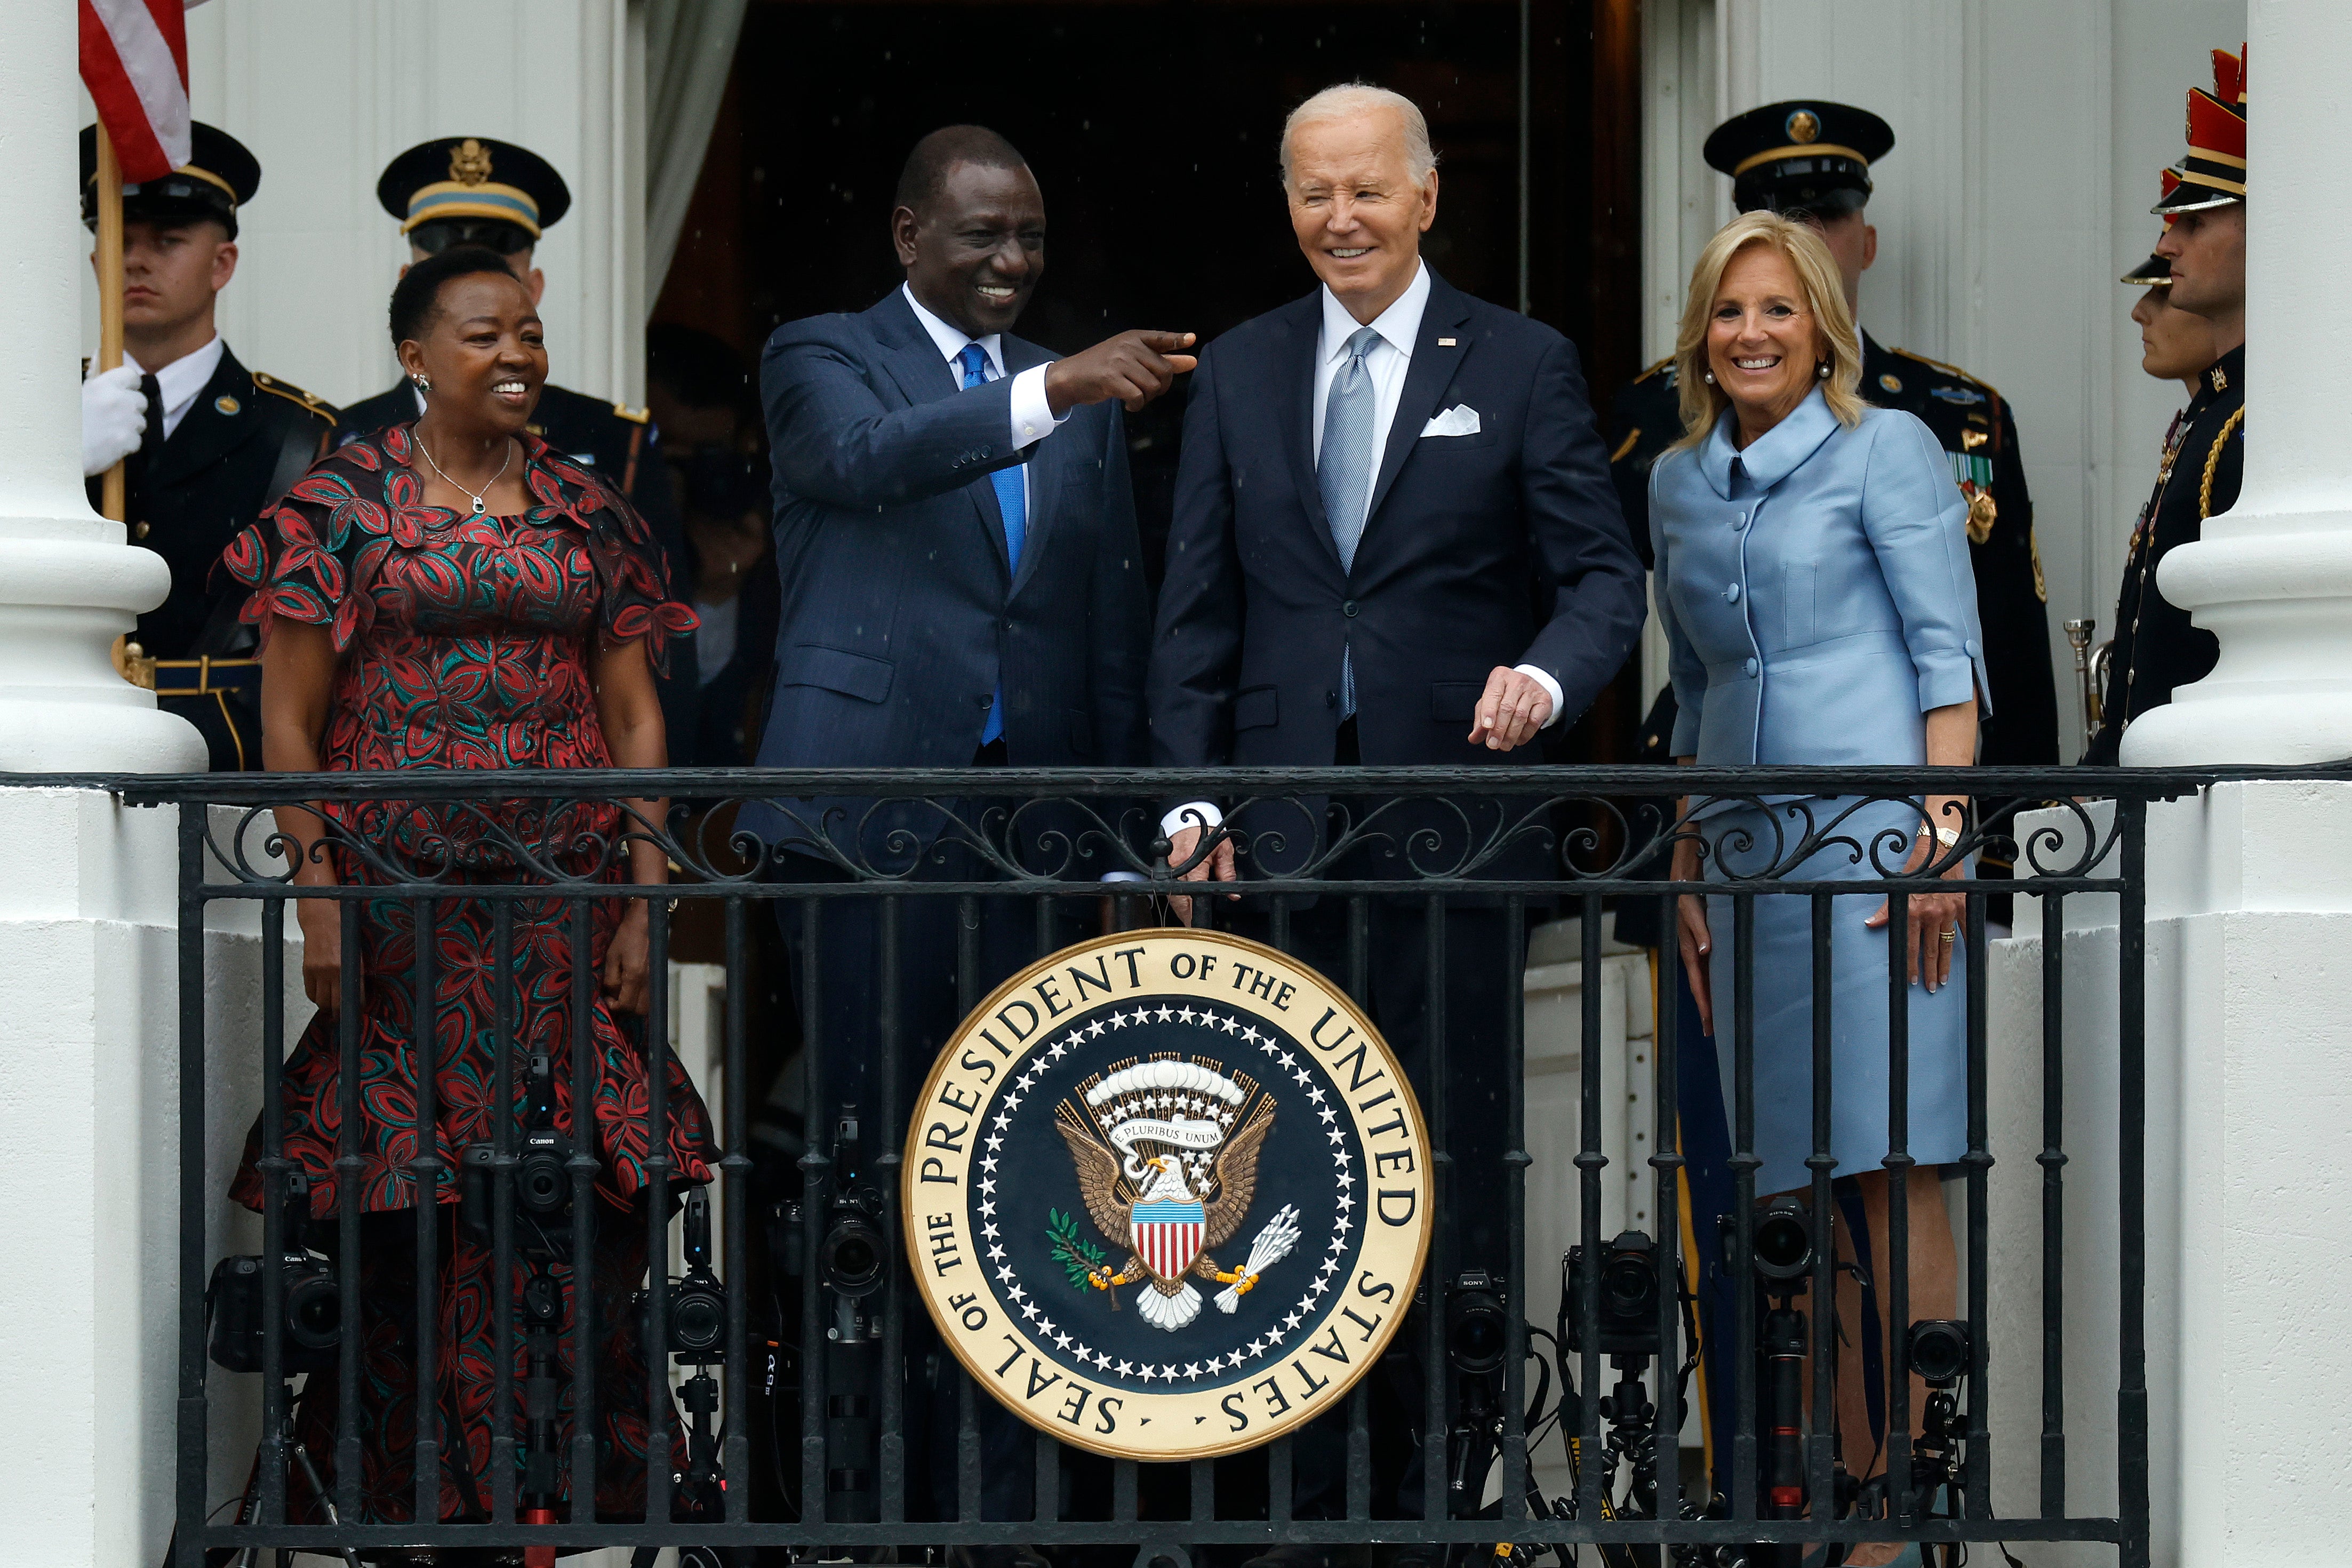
1950	934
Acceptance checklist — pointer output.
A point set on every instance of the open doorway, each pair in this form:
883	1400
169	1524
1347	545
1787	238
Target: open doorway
1153	129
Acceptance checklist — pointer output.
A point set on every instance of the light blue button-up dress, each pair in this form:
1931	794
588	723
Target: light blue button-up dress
1817	600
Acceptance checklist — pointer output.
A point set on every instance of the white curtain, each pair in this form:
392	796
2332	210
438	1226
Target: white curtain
690	51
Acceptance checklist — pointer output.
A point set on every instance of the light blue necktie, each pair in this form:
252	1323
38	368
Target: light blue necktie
1343	472
1013	501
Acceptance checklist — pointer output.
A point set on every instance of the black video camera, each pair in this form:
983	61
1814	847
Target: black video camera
854	1258
541	1175
1939	1351
1476	1337
309	1303
695	1311
1628	1296
1782	1245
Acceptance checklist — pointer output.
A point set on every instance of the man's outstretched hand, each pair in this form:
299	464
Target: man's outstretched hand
1133	367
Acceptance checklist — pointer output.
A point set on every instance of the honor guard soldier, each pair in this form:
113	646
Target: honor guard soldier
1810	160
2203	251
473	190
206	444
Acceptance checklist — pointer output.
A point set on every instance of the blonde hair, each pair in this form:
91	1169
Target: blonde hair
1353	98
1703	402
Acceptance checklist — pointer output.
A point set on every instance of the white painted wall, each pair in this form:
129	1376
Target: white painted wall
327	94
2027	138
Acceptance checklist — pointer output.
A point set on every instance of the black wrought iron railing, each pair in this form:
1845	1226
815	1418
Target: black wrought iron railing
540	853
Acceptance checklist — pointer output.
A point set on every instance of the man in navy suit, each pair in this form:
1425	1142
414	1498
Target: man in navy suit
1374	481
961	587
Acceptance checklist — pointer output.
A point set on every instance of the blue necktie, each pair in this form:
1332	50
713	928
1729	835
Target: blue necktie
1343	472
1013	501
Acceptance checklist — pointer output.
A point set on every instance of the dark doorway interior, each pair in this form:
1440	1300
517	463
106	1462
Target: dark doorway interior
1152	128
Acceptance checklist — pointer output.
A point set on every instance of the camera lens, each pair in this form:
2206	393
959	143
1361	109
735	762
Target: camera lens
1629	1286
852	1259
542	1184
314	1311
698	1322
1939	1351
1474	1331
1784	1241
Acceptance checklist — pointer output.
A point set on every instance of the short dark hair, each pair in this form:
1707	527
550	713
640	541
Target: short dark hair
417	298
926	173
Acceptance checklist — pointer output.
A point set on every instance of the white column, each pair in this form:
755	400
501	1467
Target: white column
68	585
2273	577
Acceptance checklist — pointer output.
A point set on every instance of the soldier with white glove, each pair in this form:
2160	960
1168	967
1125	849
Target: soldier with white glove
113	418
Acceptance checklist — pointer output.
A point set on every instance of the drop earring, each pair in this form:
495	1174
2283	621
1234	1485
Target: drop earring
1710	378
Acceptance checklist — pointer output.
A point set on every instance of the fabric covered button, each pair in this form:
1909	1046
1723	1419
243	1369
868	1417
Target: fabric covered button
1731	594
1750	667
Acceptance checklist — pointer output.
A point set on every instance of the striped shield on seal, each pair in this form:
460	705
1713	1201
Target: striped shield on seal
1167	1236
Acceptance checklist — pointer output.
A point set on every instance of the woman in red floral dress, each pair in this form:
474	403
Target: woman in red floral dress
455	595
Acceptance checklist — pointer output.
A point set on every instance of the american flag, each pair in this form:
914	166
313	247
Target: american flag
1168	1235
134	61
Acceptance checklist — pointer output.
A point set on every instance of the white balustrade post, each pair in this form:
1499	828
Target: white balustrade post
2272	578
68	585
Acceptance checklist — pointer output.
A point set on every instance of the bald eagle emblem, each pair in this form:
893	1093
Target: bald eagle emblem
469	163
1166	1152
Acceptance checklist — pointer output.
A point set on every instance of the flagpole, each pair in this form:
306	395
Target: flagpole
109	290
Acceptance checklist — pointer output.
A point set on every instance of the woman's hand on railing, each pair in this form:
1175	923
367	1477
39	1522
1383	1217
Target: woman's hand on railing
322	920
628	961
1934	917
1691	935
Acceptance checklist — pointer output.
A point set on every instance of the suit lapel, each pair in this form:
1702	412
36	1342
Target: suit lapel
1426	378
914	365
208	432
1295	396
1045	465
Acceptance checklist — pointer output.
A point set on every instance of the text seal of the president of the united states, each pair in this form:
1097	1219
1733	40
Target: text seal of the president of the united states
1167	1194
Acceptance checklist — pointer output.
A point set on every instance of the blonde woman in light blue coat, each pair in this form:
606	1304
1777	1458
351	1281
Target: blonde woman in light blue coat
1814	587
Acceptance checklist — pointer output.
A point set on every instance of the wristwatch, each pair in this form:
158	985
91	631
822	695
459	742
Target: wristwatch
1946	836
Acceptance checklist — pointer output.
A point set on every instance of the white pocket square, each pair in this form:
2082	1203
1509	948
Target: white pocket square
1459	420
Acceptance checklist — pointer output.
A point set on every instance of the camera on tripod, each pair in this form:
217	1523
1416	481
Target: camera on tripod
1939	1352
540	1175
854	1257
696	1311
1628	1296
309	1303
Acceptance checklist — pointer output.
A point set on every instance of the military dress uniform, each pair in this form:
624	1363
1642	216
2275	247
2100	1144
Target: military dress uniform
243	442
476	190
2156	647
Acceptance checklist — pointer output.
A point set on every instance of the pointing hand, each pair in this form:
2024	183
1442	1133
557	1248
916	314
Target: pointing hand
1133	367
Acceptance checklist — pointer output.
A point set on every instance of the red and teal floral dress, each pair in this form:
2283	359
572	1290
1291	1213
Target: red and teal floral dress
466	643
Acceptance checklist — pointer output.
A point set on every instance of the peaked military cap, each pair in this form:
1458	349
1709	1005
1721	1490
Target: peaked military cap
2155	271
220	177
473	190
2213	171
1806	155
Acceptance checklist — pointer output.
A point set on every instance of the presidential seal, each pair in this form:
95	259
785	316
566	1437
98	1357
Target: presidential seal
1167	1194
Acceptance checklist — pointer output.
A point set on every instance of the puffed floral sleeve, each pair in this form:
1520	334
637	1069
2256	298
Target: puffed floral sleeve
632	575
312	557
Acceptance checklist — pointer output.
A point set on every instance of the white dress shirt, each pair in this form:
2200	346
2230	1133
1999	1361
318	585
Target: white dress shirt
1033	416
1386	362
178	382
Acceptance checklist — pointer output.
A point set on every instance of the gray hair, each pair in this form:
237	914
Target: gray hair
1350	99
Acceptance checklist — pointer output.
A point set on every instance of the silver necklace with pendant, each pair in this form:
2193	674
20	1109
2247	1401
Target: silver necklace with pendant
481	505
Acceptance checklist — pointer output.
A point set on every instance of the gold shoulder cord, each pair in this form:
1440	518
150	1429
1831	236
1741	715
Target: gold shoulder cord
2214	462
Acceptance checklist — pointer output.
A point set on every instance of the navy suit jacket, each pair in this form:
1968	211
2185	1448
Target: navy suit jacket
900	616
1504	547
